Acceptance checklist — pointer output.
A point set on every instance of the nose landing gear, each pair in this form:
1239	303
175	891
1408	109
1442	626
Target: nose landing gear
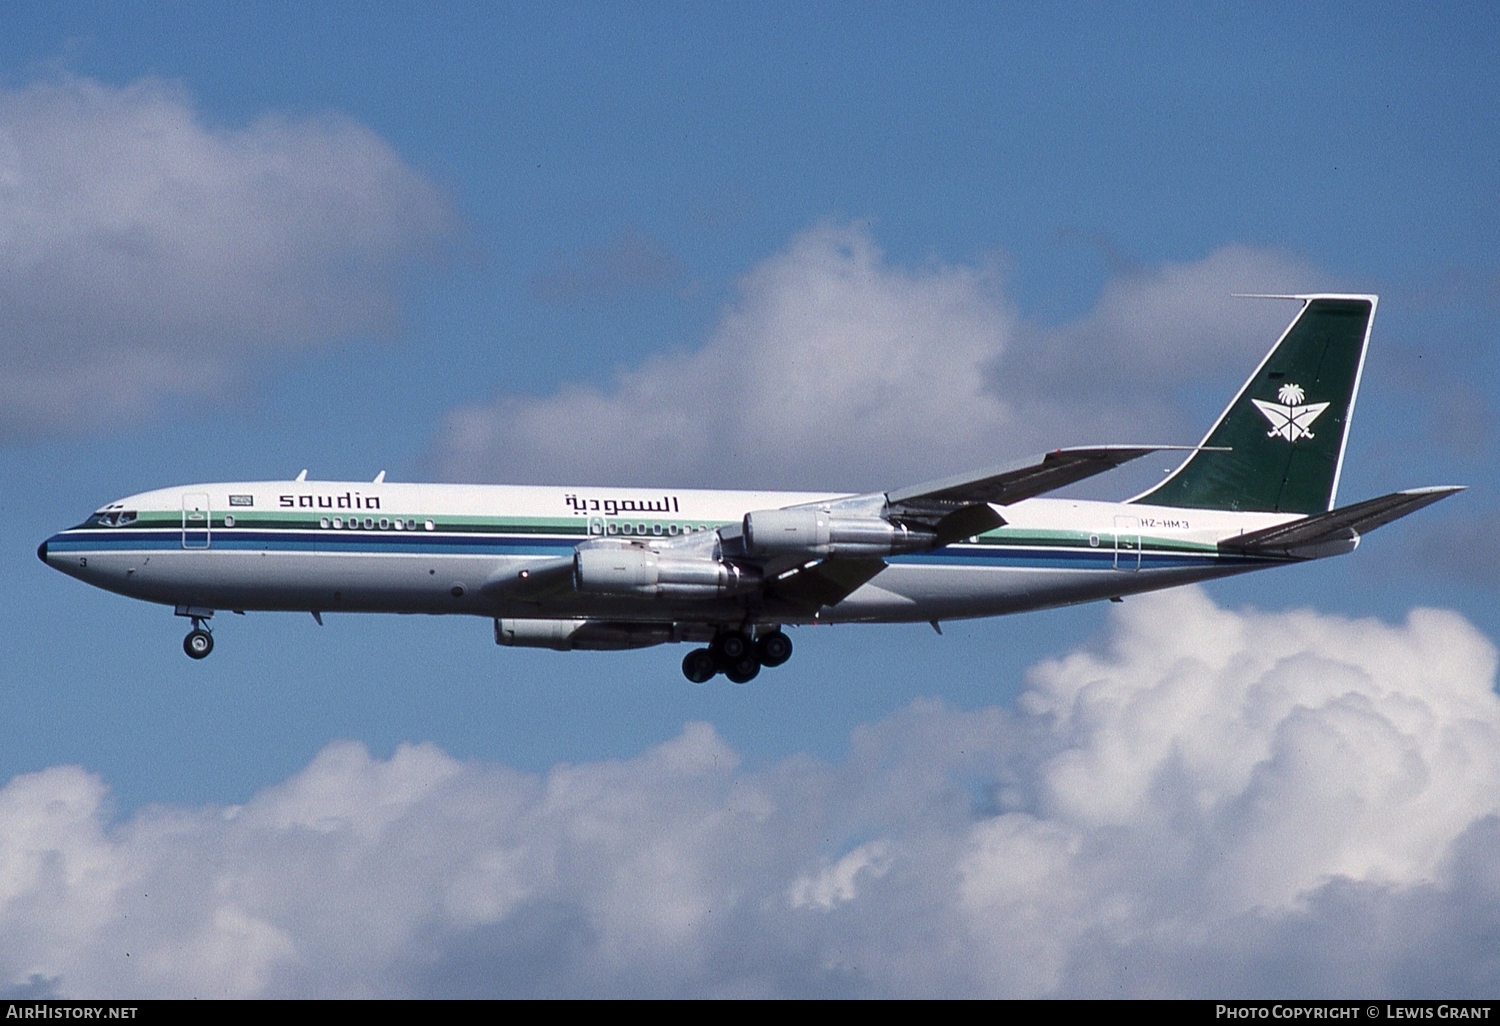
199	642
737	656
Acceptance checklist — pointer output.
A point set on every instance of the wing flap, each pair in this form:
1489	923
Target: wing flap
826	583
967	521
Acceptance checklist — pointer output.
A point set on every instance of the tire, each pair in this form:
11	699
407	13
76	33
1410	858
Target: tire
731	646
198	644
743	670
774	648
699	666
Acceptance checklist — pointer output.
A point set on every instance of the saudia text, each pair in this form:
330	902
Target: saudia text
349	500
614	507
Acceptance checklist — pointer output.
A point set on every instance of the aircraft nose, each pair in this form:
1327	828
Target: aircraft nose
41	552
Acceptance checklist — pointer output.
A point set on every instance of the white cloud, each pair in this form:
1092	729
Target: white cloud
1206	802
837	368
144	254
836	884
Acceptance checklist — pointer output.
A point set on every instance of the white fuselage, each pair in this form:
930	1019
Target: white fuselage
433	548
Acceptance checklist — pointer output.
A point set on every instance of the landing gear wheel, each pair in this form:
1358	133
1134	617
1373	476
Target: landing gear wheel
774	648
730	647
198	644
743	669
699	666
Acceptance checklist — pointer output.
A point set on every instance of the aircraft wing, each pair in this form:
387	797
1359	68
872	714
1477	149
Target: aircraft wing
957	507
1337	530
825	583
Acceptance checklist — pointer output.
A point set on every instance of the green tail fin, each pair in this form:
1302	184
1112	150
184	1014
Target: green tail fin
1280	444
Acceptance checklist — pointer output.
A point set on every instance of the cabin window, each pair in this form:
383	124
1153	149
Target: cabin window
672	529
384	523
229	520
611	529
338	523
431	526
369	523
399	525
656	529
325	523
1093	541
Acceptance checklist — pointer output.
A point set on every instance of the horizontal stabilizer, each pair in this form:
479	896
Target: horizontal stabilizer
1337	531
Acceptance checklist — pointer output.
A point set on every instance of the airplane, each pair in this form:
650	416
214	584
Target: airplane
622	568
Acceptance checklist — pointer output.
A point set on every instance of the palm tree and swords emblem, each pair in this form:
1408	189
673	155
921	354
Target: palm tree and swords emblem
1290	419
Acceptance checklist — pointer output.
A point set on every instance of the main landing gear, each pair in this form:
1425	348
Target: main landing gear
737	656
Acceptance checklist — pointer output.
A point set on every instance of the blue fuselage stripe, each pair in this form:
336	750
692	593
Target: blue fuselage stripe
419	543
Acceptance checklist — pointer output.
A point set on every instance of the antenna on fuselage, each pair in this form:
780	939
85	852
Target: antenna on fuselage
380	478
302	476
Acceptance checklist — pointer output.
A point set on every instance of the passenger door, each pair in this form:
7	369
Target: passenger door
197	521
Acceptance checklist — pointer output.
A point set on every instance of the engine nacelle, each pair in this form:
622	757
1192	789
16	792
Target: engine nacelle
641	572
586	635
809	532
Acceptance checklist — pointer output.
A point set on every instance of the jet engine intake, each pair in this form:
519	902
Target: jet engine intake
641	572
794	532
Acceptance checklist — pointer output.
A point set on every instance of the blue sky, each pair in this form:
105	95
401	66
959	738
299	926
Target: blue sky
491	242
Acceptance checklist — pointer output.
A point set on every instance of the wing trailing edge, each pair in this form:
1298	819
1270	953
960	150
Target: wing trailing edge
960	506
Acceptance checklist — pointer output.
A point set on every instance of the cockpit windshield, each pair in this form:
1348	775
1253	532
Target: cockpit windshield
113	518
